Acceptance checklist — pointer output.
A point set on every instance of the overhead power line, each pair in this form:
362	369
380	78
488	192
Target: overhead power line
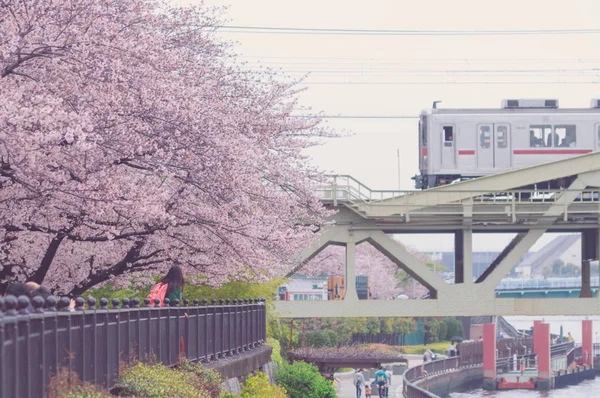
446	82
396	32
359	116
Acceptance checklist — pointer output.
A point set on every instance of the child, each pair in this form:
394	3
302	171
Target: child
368	391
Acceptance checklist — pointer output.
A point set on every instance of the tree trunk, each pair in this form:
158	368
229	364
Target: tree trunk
40	273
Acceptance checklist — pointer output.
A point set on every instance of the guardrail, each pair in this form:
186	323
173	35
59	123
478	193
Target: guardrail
425	370
507	284
346	189
40	337
474	358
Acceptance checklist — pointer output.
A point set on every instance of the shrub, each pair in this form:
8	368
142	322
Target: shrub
303	380
67	384
209	380
157	381
443	331
276	354
259	386
333	338
317	339
455	327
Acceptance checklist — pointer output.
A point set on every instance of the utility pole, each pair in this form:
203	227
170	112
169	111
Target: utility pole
399	179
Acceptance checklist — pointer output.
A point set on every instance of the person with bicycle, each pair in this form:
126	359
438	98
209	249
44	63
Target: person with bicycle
382	381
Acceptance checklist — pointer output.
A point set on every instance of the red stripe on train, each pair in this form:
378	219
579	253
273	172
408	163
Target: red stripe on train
466	152
551	151
423	151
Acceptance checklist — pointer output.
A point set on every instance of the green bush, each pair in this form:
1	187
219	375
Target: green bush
333	338
455	327
317	339
303	380
259	386
443	331
209	380
158	381
276	354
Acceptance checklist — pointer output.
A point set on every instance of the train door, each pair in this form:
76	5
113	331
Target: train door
493	146
485	147
597	137
448	146
502	146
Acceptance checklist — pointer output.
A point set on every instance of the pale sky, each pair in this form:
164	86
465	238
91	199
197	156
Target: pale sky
399	75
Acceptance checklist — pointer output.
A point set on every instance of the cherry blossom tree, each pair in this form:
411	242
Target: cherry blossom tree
386	279
131	140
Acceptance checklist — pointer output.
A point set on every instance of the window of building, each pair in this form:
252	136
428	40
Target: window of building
448	135
540	135
485	136
565	135
502	136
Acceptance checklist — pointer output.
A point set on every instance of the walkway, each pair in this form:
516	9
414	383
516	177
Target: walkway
347	389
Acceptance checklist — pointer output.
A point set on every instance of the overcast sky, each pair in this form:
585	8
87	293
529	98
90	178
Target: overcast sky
399	75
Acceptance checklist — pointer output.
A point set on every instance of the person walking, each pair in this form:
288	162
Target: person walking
171	287
359	381
388	373
382	380
367	391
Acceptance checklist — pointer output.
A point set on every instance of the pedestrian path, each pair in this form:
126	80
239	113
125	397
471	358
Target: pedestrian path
348	390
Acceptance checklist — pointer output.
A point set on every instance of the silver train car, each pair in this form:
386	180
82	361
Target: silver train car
458	144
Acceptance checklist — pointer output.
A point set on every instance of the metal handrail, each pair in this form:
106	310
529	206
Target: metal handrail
523	196
508	284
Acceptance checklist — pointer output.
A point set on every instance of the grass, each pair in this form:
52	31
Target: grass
344	370
437	347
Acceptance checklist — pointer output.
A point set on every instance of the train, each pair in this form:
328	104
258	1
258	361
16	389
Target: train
459	144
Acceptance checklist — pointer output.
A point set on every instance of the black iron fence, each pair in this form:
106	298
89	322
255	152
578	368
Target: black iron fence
40	337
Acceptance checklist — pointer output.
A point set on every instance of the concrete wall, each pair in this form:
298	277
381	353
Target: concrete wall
235	369
456	381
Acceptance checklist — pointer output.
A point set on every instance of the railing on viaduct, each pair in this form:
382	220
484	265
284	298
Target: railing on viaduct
40	337
471	355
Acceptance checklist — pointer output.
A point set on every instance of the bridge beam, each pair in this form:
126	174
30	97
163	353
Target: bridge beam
441	307
561	204
411	265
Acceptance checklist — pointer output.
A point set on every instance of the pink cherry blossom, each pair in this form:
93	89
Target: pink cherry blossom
131	140
385	277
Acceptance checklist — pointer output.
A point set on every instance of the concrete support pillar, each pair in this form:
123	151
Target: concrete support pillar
351	294
535	323
463	256
489	356
541	344
586	286
587	344
589	251
458	257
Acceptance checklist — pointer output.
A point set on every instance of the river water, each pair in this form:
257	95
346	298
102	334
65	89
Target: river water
586	389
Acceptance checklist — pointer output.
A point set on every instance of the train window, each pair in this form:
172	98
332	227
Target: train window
448	135
565	135
485	136
502	136
423	128
540	135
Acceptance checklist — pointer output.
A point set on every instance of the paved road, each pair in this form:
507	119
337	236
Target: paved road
348	390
